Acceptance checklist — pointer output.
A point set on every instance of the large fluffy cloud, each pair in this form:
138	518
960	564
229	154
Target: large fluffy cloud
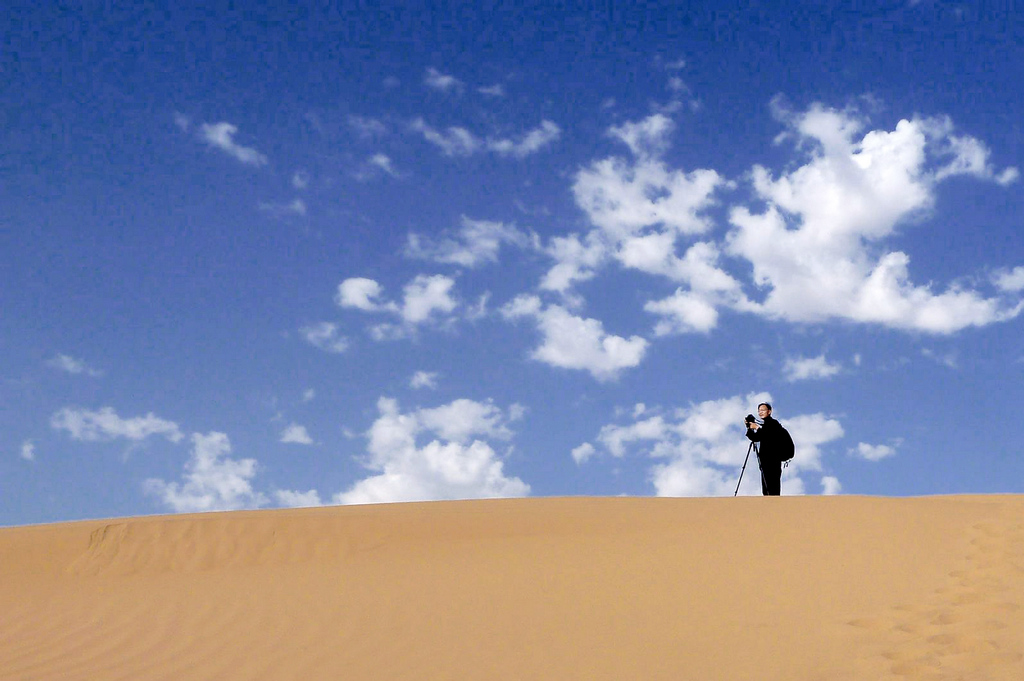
573	342
816	248
213	481
699	450
431	454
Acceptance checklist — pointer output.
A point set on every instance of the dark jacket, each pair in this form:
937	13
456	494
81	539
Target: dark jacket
769	436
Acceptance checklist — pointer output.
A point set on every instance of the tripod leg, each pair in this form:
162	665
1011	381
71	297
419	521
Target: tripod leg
745	468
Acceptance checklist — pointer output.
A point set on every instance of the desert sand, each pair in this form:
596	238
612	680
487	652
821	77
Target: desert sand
827	588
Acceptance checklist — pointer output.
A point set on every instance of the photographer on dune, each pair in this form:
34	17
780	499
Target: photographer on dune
774	448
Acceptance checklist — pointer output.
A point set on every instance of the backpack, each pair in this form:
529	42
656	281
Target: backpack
786	446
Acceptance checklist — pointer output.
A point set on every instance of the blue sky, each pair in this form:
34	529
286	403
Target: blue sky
255	258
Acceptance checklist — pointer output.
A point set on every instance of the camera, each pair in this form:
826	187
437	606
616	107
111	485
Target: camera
748	419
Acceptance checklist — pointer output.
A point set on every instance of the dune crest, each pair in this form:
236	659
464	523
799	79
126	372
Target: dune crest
793	588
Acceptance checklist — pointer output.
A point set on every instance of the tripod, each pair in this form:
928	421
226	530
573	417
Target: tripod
752	447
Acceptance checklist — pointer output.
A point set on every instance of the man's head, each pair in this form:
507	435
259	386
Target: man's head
764	410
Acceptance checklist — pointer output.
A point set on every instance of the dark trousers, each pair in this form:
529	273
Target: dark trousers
771	477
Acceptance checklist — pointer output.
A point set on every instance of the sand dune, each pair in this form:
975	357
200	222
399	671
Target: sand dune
824	588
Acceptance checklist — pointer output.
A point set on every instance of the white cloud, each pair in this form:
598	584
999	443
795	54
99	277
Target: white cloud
700	449
1010	281
324	335
577	260
376	166
383	162
464	419
441	81
73	366
424	379
623	198
296	434
300	179
830	485
476	242
573	342
583	452
367	127
182	121
648	137
28	450
308	395
440	469
291	499
360	293
458	141
427	295
493	90
815	250
873	452
105	424
804	368
455	141
425	299
615	438
221	136
947	360
294	207
1007	177
212	481
531	142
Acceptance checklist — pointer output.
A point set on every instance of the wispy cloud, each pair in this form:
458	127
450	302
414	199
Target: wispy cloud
808	368
442	82
221	136
475	243
28	450
182	121
294	207
105	424
493	90
367	127
74	366
325	335
424	379
376	166
529	143
454	141
947	359
458	141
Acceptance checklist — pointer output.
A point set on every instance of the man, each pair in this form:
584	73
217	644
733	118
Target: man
770	437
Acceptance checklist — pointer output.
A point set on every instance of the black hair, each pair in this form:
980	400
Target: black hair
767	405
